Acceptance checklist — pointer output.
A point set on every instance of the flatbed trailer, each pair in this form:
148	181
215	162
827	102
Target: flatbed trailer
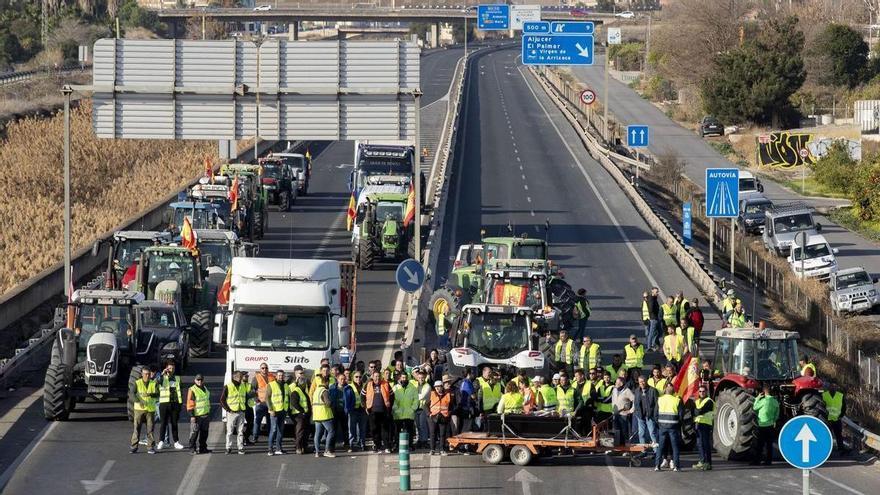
521	450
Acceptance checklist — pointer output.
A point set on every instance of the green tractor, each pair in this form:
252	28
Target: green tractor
253	215
378	232
174	274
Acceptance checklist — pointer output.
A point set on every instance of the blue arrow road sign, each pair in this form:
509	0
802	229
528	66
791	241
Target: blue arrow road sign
536	27
722	192
493	17
686	223
557	49
410	275
637	136
805	442
572	27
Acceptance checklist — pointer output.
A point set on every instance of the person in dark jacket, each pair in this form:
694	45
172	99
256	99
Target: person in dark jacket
695	317
646	411
353	402
655	319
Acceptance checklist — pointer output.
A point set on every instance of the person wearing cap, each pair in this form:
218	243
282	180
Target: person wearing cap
439	405
233	400
198	403
424	389
635	354
554	381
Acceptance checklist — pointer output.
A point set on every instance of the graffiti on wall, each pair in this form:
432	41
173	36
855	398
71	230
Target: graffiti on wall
784	149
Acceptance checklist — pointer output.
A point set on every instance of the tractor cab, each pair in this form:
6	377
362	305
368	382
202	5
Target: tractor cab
170	274
126	247
217	194
498	335
378	232
514	248
99	312
756	354
522	283
201	215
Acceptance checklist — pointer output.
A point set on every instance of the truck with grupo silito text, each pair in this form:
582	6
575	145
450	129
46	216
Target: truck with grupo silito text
288	312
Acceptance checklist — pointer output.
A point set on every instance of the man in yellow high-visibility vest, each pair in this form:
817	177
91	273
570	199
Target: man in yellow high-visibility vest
233	400
144	394
198	403
835	404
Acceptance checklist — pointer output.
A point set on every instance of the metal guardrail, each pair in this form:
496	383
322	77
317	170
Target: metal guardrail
15	77
869	439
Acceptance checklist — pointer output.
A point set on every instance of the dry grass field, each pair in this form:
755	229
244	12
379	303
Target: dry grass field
111	181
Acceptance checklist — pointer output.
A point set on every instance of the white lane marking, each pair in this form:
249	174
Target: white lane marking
434	476
372	477
331	233
517	159
397	316
837	483
515	151
619	479
523	176
10	471
280	475
529	199
532	212
589	179
199	463
13	415
526	187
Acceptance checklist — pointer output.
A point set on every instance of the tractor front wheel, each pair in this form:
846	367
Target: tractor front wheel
366	253
200	334
284	201
735	424
56	403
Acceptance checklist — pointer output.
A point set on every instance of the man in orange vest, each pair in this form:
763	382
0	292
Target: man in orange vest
260	383
439	401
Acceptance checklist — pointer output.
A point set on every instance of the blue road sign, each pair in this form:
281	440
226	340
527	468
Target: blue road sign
805	442
686	224
410	275
722	192
493	17
637	136
533	27
572	27
557	49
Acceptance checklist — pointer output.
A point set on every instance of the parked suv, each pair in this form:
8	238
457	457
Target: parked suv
853	291
710	126
814	260
751	214
783	222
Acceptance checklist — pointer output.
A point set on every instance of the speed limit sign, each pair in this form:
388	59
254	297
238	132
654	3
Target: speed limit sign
588	96
804	153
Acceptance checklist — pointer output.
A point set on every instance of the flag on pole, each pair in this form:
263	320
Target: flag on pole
687	381
209	168
226	288
188	236
410	212
233	194
349	219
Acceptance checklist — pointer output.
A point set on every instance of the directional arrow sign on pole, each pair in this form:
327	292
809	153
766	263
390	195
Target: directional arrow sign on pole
637	136
526	479
410	275
805	442
100	481
805	436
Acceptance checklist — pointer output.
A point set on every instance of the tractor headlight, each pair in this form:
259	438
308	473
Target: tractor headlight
92	368
108	368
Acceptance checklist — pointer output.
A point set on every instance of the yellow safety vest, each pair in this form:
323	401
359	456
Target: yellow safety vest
667	406
202	399
615	374
421	388
357	395
165	390
737	320
668	314
406	400
302	401
235	396
565	398
682	309
687	336
548	394
279	397
727	304
707	418
593	360
658	384
145	400
568	358
251	401
513	403
320	411
605	398
812	367
646	313
834	404
587	390
673	346
634	357
491	395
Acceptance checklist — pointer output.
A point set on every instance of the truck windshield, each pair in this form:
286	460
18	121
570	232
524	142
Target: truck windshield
771	359
516	292
221	255
129	250
497	336
496	251
810	252
280	330
389	210
747	185
529	252
793	223
852	280
94	318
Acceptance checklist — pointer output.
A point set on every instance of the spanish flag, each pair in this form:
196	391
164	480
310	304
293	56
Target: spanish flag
233	194
687	381
209	168
188	237
349	219
410	212
226	288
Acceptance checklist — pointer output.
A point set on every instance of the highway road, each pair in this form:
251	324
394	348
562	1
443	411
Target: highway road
630	108
517	162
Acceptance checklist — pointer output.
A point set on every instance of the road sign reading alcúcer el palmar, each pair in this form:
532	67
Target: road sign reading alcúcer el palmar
493	17
805	442
557	43
722	192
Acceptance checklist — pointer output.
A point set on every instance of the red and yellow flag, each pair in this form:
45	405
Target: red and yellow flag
209	168
349	219
233	194
225	289
410	212
188	237
687	381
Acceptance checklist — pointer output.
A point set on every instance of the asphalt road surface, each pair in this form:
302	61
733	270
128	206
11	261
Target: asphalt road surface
517	162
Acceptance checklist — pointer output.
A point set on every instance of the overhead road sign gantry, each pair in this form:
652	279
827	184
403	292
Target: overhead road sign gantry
722	192
493	17
637	136
570	46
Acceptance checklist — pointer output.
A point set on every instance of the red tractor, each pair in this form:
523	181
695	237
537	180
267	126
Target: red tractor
746	358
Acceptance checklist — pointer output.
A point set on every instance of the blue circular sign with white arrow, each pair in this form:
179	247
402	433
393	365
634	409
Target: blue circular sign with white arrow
805	442
410	275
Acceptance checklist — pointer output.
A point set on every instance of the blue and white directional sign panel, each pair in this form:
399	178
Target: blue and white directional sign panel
493	17
805	442
686	220
637	136
410	275
722	192
570	46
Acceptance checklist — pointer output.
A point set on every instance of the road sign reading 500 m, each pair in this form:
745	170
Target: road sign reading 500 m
560	43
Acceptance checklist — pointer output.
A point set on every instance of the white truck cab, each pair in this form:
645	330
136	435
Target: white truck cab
815	260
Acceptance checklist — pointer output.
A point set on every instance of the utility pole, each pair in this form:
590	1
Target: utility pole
68	282
648	42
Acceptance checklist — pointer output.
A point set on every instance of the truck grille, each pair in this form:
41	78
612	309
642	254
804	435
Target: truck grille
100	355
98	381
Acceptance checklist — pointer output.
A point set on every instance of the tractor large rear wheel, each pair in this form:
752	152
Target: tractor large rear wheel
56	402
200	334
736	424
446	302
811	404
366	253
259	224
133	376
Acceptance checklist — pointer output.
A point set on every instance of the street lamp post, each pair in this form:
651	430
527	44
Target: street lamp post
68	282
